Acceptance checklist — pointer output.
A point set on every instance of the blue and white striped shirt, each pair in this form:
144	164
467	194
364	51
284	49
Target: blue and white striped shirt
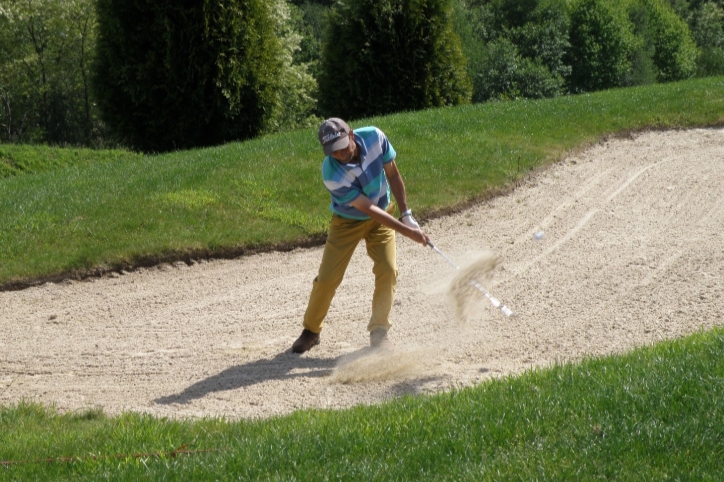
346	182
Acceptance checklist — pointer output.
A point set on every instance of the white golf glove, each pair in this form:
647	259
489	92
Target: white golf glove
408	220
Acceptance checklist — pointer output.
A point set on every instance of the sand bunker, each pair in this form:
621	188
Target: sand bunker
632	254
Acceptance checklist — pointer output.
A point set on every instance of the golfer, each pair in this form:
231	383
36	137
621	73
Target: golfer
359	172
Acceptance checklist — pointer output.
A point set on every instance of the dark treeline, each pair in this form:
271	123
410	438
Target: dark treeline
157	75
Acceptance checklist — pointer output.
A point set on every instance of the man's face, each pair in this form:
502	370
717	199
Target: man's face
345	155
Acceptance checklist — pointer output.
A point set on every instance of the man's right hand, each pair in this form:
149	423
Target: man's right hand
419	236
364	204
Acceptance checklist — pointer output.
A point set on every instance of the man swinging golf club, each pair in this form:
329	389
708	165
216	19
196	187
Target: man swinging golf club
359	171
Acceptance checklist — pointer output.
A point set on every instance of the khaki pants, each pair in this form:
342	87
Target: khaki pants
344	236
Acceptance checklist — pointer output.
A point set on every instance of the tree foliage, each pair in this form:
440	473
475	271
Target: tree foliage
295	101
383	56
309	20
675	52
178	74
515	48
602	45
46	53
707	26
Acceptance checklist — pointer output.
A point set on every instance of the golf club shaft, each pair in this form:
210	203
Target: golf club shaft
496	303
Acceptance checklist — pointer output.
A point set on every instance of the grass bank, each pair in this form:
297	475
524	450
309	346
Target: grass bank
231	199
17	159
654	414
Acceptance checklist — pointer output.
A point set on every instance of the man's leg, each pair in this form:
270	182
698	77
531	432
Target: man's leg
382	249
344	236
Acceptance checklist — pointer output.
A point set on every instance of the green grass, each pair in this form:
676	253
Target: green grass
226	200
23	159
656	413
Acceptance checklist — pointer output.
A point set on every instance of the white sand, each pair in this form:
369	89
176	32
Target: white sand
632	253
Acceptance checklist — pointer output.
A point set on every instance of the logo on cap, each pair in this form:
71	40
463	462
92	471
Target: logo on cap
331	137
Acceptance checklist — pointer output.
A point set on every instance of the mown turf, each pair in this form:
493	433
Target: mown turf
18	159
656	413
268	192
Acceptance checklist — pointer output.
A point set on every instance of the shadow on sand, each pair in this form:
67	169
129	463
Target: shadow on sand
279	367
286	366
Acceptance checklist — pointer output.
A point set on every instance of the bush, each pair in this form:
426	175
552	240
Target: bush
497	72
178	74
674	50
515	48
544	37
384	56
602	46
505	75
707	25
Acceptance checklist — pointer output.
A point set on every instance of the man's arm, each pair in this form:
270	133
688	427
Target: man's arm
364	204
397	186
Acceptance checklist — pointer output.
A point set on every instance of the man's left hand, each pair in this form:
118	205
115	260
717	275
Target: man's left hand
410	221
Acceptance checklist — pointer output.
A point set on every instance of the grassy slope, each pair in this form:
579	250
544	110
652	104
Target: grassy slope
24	159
654	414
223	200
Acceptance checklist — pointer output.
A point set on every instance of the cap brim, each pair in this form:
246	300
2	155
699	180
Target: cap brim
340	143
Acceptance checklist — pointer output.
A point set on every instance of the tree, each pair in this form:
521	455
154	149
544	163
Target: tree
309	19
508	75
516	48
707	25
665	45
46	52
602	45
384	56
178	74
295	101
543	37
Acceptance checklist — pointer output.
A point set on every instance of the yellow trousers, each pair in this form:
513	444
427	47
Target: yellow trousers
344	236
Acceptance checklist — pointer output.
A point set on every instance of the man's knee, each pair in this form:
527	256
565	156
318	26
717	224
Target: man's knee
386	270
327	281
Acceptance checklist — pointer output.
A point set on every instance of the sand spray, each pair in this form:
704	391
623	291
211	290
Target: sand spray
370	365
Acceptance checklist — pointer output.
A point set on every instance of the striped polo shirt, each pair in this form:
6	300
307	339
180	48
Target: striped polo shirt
346	182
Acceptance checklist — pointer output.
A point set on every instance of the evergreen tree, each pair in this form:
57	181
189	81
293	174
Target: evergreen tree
602	44
675	52
383	56
173	74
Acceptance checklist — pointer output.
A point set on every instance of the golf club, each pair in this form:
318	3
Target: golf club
496	303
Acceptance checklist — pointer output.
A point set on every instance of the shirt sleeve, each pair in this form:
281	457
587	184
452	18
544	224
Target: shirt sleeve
388	152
